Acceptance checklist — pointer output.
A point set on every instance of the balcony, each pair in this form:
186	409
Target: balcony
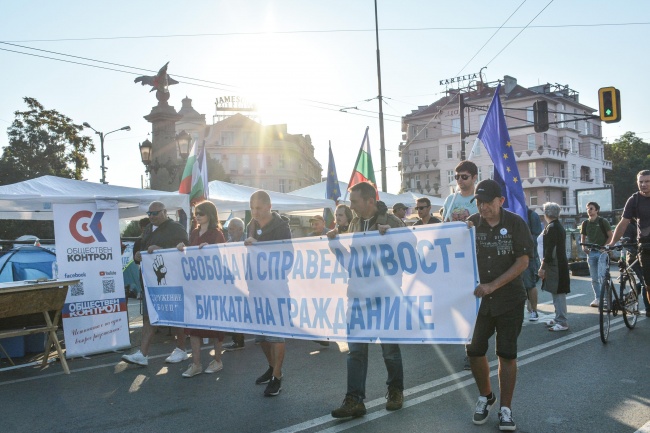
542	153
545	181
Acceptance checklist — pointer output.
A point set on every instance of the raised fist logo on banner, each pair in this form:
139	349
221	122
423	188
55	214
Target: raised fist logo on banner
160	270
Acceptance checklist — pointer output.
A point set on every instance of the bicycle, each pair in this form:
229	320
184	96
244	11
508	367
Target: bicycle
625	300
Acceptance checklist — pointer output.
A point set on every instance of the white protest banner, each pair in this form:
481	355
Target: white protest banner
411	285
88	248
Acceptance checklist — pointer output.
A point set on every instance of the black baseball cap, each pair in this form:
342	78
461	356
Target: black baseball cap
487	190
398	206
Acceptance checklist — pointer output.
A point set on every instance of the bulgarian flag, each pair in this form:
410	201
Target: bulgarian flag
363	170
195	176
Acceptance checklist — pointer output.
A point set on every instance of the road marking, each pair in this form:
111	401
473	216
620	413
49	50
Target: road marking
644	429
547	349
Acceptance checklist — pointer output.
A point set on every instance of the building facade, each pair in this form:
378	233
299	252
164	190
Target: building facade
260	156
552	164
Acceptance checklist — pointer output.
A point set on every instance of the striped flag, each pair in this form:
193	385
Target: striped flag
363	170
195	176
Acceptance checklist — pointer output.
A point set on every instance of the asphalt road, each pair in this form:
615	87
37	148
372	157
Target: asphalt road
567	382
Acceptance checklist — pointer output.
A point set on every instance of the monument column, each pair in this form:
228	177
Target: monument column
163	118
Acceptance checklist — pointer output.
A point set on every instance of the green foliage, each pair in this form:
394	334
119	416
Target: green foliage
629	155
132	230
216	171
12	229
43	142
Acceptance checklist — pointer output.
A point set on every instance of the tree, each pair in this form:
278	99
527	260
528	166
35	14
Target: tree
43	142
629	155
216	171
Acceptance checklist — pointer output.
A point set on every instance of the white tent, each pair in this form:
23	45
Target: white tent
33	199
408	198
235	198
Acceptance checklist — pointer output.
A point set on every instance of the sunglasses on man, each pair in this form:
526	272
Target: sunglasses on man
422	207
462	176
154	212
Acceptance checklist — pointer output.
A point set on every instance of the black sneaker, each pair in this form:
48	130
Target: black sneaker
266	377
483	406
506	423
395	398
274	387
230	347
350	408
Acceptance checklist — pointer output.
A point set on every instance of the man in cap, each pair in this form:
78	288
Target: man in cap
161	232
399	210
503	248
318	228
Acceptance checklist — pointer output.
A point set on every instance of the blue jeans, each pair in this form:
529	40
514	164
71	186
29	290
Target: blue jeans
358	368
593	272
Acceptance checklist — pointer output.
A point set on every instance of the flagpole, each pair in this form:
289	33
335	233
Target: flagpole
382	146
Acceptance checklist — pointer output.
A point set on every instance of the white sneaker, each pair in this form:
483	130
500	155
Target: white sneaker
595	303
214	366
192	370
136	358
177	356
558	327
534	317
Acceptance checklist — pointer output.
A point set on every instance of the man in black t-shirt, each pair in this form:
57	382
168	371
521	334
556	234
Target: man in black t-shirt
503	248
638	207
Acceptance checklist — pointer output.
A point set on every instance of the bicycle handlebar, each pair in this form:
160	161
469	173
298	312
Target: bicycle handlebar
605	248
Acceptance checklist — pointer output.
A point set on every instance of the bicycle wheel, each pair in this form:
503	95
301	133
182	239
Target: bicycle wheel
605	309
629	303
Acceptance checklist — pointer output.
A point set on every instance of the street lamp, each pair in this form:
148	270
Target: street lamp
152	164
101	146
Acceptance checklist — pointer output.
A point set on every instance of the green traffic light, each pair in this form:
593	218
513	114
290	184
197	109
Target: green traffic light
608	112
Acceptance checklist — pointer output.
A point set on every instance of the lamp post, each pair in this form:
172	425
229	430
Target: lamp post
152	164
101	145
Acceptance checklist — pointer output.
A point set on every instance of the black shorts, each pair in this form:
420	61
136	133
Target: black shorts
507	327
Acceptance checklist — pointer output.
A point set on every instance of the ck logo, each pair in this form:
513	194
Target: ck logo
86	227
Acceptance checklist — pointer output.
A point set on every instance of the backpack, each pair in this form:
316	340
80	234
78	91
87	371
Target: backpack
601	224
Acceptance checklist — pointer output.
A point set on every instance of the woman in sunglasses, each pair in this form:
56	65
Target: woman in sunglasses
207	232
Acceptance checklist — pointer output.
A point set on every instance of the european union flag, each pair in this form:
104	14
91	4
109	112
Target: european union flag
332	191
495	137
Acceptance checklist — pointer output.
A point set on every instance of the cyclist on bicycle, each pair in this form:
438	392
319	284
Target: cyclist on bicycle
638	207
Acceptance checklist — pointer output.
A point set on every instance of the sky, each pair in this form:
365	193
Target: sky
302	61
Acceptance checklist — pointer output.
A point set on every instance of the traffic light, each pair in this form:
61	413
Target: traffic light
540	116
609	99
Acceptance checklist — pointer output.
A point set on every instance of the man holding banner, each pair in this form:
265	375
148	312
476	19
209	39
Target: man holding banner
161	233
370	216
503	248
266	225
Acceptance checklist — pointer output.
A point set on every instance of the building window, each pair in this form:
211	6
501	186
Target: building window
481	119
450	176
596	153
227	138
479	174
532	170
545	168
530	116
573	147
455	126
531	141
587	129
414	132
417	181
491	171
426	155
574	172
281	181
545	139
426	132
560	114
597	175
562	171
477	149
575	122
564	202
232	164
281	162
246	162
533	198
547	193
416	156
450	151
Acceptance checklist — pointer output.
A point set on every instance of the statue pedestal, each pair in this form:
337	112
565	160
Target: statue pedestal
164	152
